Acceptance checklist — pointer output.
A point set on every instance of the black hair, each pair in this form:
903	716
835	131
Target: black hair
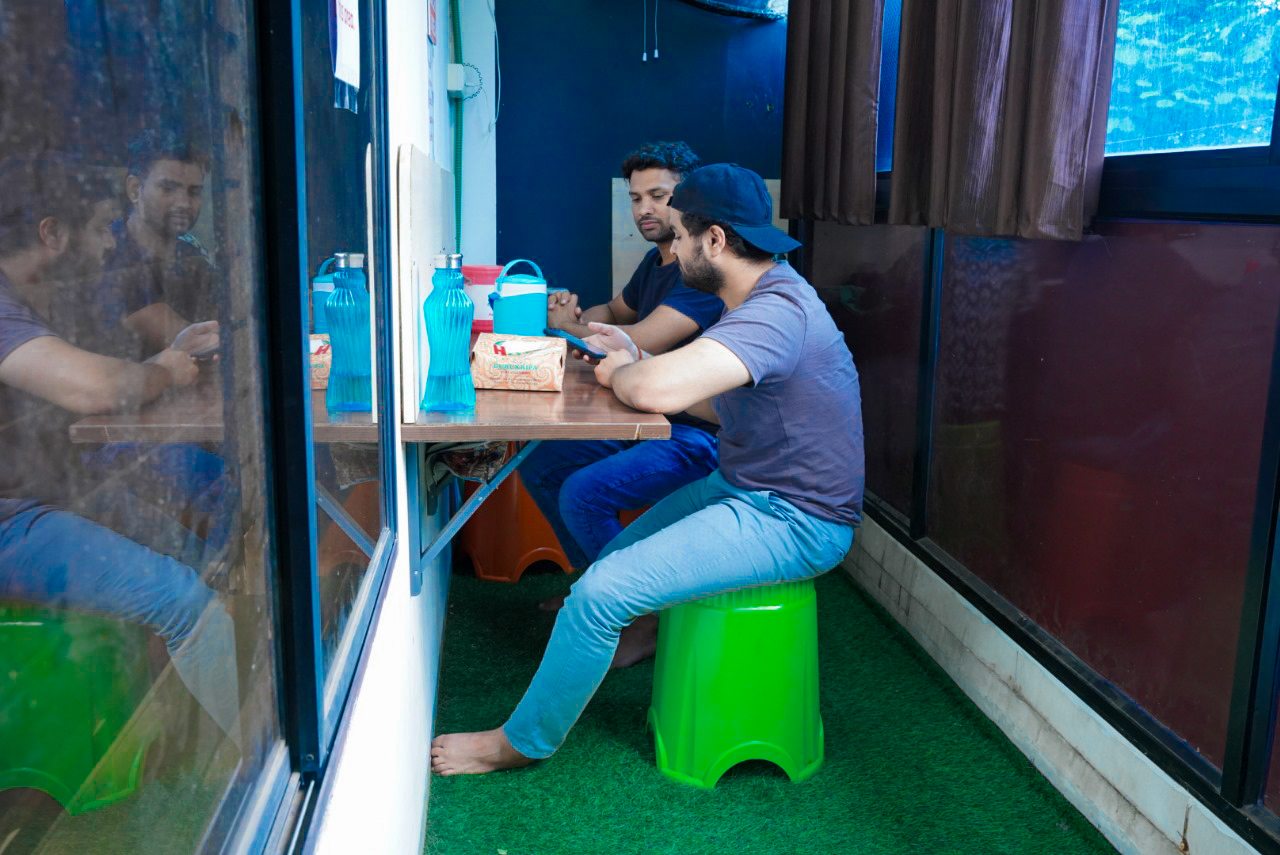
154	145
46	185
675	156
696	225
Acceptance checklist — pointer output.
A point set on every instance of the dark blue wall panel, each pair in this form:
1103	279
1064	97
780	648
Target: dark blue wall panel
576	97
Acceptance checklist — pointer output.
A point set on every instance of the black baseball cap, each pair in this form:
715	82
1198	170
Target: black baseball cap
734	195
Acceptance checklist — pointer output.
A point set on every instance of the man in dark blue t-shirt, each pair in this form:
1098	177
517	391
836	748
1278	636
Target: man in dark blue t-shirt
581	486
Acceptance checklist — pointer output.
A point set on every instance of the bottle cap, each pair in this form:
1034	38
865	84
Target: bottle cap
452	261
341	259
355	259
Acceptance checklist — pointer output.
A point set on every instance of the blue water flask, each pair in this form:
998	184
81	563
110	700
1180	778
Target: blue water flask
447	314
321	288
347	313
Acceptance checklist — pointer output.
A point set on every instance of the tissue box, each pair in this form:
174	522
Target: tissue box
525	363
321	360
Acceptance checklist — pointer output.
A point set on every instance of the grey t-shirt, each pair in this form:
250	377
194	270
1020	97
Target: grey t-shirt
797	428
35	446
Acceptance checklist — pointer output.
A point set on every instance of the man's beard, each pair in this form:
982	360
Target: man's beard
665	236
76	266
701	275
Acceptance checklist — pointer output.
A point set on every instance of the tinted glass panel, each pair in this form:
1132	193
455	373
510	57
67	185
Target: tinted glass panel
137	657
348	464
869	278
1099	425
1193	75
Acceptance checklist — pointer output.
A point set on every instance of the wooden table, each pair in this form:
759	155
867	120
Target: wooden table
583	410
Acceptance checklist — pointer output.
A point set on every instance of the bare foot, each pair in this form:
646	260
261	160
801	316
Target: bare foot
553	604
474	753
639	641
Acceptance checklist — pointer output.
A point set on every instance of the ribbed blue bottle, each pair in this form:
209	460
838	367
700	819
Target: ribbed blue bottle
448	313
347	313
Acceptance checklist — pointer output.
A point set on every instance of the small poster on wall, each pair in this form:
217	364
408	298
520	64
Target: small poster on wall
344	45
431	20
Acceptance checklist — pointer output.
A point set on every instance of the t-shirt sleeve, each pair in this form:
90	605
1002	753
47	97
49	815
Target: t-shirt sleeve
18	325
766	333
703	309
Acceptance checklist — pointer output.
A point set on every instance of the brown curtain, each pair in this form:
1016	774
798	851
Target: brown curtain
1001	115
829	110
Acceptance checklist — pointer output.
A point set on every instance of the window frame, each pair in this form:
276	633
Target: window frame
286	802
1238	185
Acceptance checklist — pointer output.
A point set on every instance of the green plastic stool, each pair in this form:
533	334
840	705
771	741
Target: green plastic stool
68	683
737	679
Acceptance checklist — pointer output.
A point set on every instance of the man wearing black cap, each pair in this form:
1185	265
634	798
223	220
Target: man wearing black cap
785	500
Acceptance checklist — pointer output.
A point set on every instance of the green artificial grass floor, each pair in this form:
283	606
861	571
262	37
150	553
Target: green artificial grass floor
911	765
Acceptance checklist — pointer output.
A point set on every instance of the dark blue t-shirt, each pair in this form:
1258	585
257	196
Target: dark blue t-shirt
136	280
132	280
655	284
797	428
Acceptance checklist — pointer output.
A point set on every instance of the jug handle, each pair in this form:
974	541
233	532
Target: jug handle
325	265
511	264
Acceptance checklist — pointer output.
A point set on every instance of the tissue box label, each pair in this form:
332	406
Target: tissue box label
526	363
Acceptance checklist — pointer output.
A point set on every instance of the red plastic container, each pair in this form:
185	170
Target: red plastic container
479	281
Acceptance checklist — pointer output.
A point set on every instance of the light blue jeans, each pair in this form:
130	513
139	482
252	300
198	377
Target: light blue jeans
55	558
706	538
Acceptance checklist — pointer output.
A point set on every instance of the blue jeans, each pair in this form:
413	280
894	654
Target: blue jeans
55	558
705	539
173	477
580	486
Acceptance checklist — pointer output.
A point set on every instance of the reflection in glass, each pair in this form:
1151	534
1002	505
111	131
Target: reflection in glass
1098	430
348	469
869	278
137	704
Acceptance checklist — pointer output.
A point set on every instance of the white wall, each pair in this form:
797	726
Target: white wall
378	778
479	137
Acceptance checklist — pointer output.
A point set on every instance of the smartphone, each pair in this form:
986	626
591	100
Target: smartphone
575	342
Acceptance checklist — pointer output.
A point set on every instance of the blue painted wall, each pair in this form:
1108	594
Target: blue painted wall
576	98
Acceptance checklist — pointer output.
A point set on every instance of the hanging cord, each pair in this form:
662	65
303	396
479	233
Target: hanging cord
644	29
497	65
655	28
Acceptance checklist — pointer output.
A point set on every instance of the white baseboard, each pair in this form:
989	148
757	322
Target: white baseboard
1139	808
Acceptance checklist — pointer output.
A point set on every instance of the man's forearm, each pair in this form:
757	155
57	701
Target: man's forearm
138	384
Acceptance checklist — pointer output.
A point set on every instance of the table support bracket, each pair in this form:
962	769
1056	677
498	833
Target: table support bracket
473	501
330	505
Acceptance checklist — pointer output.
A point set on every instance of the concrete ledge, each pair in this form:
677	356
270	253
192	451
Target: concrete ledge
1139	808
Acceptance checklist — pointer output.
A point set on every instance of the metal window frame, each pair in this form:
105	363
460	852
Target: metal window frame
309	729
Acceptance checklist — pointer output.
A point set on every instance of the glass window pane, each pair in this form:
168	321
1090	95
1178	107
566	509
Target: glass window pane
890	30
137	641
1099	424
869	278
1193	75
347	455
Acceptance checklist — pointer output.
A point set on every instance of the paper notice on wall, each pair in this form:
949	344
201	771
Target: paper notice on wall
346	56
